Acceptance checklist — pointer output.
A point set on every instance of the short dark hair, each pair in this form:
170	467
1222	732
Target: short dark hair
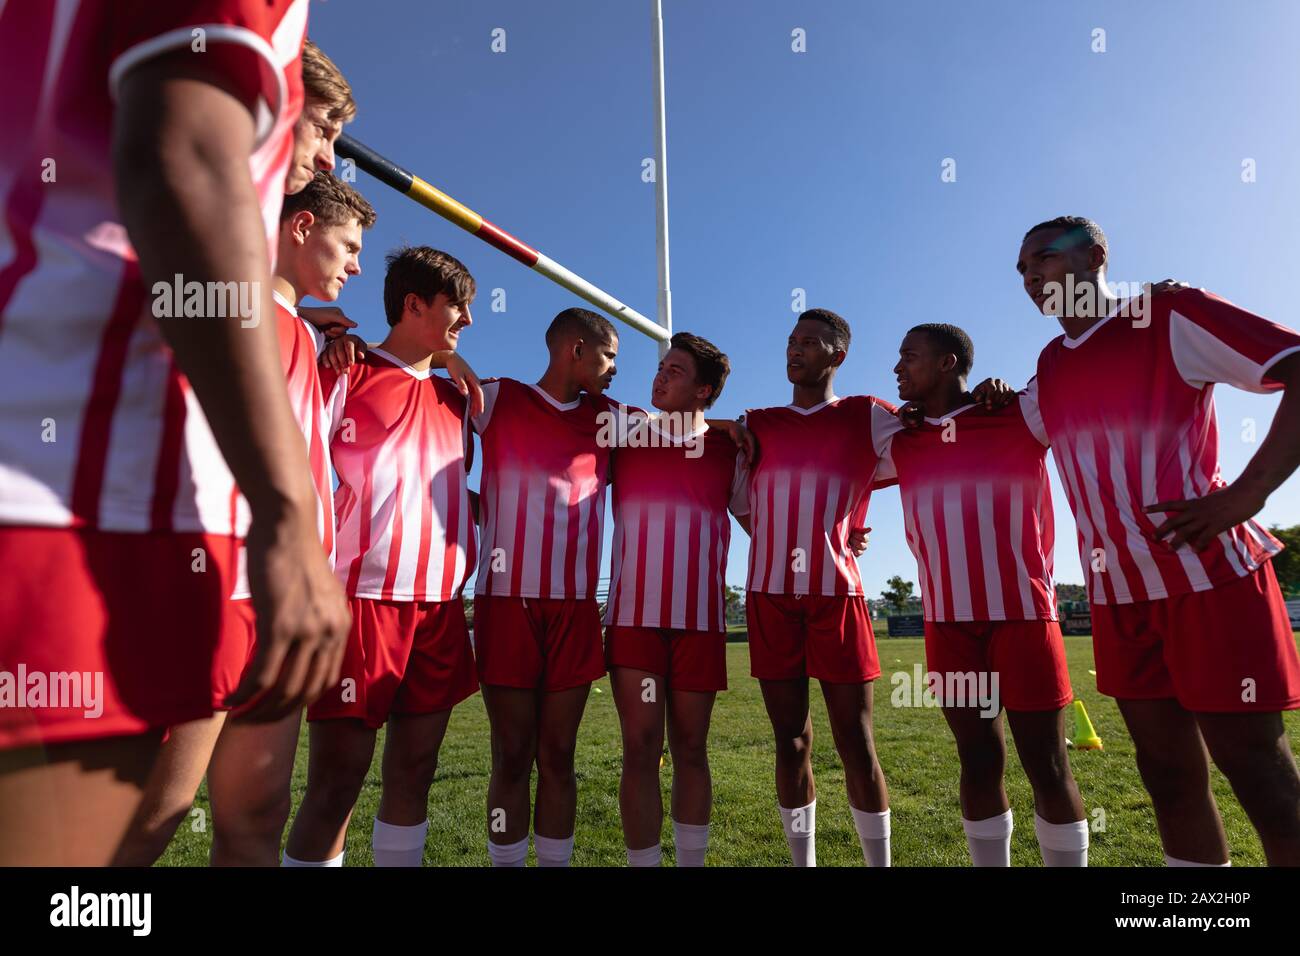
711	364
331	201
426	272
1077	226
949	338
583	323
840	334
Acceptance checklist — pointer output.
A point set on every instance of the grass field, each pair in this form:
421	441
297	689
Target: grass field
915	749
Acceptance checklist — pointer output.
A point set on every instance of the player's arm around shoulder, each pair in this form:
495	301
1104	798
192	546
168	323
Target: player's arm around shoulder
739	432
463	377
491	391
343	352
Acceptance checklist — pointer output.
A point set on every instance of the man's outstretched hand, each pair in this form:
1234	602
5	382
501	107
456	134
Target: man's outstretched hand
858	539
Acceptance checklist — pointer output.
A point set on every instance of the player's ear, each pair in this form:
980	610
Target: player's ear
1096	257
412	303
300	225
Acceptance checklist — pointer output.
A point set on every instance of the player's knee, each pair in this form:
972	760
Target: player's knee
1264	773
690	751
1171	781
642	746
414	773
513	757
255	816
794	746
338	788
1049	768
982	760
555	761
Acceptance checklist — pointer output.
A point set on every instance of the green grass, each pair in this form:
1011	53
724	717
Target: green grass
915	750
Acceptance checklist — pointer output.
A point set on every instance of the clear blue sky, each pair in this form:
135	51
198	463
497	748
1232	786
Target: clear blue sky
821	171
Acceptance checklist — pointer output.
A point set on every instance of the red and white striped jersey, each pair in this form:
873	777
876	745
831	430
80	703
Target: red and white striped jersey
300	344
977	508
98	427
542	494
809	489
1129	410
671	528
398	439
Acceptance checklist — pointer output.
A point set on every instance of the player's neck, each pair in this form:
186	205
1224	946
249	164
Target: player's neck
287	288
948	398
559	386
810	396
1090	306
686	421
401	345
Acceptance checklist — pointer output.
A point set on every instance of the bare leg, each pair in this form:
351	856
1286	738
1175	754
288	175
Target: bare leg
173	784
689	713
1255	755
340	755
410	762
249	780
557	738
787	709
512	713
849	707
1040	744
1175	769
642	723
71	804
982	753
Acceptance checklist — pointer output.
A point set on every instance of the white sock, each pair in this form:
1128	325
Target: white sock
1062	844
873	834
650	856
508	854
989	840
288	862
395	845
692	842
800	825
553	852
1174	861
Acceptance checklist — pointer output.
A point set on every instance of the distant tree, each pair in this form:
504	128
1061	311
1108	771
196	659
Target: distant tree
1071	592
735	609
1287	564
899	595
469	609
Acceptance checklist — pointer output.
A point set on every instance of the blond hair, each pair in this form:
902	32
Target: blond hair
323	82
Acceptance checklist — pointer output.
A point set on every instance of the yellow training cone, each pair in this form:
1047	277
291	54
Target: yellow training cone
1085	737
